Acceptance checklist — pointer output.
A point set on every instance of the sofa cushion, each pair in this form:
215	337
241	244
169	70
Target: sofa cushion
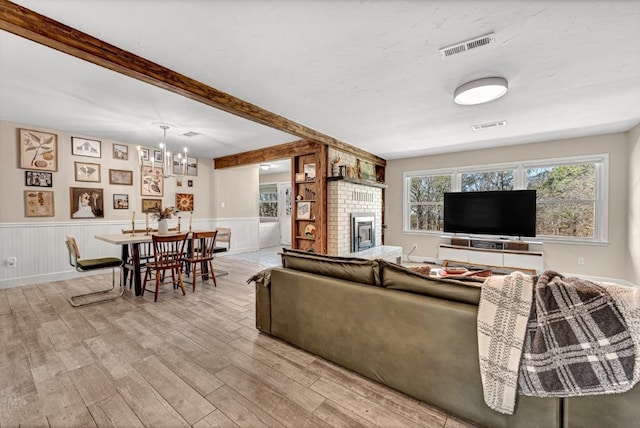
347	268
397	277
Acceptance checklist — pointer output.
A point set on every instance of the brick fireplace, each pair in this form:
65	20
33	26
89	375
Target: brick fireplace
344	199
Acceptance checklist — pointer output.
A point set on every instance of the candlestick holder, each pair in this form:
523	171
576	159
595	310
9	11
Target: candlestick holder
133	229
146	233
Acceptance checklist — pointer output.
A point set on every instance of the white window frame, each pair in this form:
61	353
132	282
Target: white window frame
601	221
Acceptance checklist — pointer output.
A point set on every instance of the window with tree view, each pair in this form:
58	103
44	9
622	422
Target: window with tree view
426	201
569	203
566	199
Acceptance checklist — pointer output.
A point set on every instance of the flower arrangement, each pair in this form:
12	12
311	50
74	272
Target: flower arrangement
164	214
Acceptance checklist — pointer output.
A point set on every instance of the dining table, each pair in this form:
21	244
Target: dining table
133	241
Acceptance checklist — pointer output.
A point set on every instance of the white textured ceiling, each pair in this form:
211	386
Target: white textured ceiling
366	72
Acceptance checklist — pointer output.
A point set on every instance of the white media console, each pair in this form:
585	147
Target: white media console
492	253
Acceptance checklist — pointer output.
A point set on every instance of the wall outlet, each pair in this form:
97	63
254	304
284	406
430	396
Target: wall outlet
12	262
580	260
414	246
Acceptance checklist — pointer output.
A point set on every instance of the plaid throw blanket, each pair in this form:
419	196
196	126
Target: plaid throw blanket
582	338
505	304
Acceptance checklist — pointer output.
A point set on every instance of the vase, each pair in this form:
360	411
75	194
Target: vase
163	226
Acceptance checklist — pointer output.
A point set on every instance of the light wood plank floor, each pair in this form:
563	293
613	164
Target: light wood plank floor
194	360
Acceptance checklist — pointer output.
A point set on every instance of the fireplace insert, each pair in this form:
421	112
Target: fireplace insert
363	231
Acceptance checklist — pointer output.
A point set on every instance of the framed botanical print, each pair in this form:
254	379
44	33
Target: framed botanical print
120	201
120	151
184	201
86	202
38	150
38	203
85	147
121	176
87	171
152	181
38	179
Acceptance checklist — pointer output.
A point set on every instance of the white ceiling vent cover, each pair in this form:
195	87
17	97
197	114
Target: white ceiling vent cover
489	125
468	45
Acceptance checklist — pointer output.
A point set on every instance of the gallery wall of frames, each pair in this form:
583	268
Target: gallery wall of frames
76	177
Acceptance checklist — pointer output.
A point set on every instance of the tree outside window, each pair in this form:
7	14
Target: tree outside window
426	201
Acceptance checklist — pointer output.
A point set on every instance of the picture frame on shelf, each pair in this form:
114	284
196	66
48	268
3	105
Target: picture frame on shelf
300	177
120	151
184	201
121	177
366	170
120	201
309	170
39	203
86	147
86	171
38	150
38	179
151	181
86	202
303	210
151	205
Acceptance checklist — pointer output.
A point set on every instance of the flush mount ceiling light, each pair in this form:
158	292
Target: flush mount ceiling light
265	167
480	91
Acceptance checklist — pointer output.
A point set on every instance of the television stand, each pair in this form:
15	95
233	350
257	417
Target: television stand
491	253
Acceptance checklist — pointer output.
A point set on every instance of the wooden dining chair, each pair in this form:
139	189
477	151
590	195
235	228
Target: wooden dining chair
201	253
168	252
223	244
91	265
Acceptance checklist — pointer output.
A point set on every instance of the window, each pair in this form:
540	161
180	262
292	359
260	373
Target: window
571	201
426	200
268	200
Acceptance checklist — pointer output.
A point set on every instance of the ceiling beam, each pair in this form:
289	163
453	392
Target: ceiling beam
41	29
268	154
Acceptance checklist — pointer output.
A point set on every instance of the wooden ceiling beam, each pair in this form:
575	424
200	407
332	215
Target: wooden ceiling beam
46	31
268	154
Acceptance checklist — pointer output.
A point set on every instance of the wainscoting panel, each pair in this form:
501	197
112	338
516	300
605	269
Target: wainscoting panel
42	255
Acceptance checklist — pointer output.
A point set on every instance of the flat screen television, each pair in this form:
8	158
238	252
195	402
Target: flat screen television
503	213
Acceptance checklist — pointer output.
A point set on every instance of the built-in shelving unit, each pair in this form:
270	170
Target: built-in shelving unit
309	211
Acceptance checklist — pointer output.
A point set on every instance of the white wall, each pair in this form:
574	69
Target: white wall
610	260
634	205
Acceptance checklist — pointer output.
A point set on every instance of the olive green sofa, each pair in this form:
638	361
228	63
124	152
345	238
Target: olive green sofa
410	332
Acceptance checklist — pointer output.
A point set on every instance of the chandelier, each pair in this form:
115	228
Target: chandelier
171	164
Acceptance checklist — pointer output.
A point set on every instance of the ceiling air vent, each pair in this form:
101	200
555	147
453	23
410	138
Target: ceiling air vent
190	134
468	45
489	125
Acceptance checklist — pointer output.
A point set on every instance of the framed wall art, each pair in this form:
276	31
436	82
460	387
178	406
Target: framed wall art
121	177
309	170
184	201
85	147
366	170
121	151
157	156
152	181
38	150
120	201
38	178
85	171
192	166
39	203
151	205
86	202
303	210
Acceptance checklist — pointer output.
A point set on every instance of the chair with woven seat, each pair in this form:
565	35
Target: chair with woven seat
168	252
91	265
201	253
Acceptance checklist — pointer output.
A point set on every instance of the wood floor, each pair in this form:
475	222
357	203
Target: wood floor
194	360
